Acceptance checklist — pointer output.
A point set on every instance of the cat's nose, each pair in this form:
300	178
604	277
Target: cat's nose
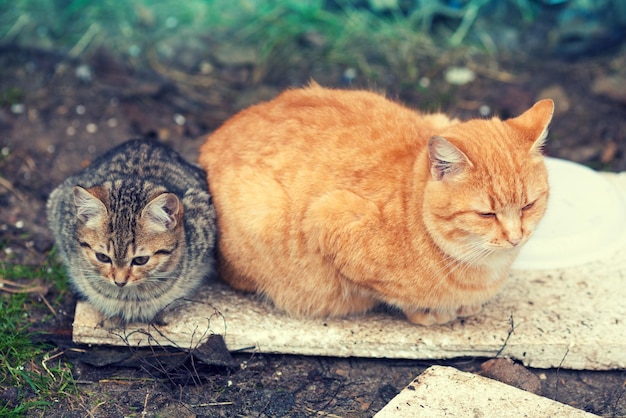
120	284
515	241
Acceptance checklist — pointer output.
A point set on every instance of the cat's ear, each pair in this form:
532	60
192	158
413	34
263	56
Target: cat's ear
535	121
162	212
446	160
89	206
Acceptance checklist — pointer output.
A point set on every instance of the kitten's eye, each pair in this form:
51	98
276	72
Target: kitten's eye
528	206
103	258
487	215
140	261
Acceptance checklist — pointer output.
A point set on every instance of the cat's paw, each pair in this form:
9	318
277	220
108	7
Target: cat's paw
428	317
468	310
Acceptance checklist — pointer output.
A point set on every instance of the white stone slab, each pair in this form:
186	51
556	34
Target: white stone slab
447	392
572	318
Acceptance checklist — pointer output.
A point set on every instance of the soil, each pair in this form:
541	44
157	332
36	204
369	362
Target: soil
57	114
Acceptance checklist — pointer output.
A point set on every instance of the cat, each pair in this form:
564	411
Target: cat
330	202
136	230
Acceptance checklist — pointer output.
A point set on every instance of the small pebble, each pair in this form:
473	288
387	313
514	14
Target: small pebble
112	122
179	119
80	110
134	50
459	76
42	245
91	128
424	82
70	131
18	108
19	224
484	111
349	74
171	22
506	371
83	73
206	67
5	151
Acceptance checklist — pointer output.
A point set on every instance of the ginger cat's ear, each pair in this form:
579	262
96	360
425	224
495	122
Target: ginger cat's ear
162	212
89	206
446	160
535	121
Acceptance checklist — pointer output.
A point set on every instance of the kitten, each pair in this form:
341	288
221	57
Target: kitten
332	201
136	230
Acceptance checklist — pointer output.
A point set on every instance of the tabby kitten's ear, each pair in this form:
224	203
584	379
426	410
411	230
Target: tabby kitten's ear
535	121
162	212
446	160
89	206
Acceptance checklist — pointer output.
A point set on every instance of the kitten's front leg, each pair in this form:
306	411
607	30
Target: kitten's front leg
111	324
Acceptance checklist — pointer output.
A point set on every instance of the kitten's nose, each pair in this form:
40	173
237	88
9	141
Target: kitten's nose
120	284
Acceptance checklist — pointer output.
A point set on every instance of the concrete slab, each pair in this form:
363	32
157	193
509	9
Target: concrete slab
447	392
571	318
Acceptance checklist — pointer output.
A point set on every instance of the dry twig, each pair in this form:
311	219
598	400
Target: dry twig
7	185
176	75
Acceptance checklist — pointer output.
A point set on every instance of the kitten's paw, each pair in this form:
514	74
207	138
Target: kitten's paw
428	317
111	324
159	320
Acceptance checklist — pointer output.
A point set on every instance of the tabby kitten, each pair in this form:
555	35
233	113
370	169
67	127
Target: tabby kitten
136	230
332	201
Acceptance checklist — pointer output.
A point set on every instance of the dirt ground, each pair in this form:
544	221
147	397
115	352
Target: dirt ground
56	115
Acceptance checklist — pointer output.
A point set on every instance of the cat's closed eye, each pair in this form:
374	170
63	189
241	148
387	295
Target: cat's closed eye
528	206
487	215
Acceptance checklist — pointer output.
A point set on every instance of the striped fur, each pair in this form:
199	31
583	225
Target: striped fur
136	230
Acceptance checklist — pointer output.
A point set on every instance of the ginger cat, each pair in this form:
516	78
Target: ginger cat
330	202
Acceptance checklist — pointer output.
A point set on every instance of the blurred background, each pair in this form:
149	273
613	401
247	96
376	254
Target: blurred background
210	58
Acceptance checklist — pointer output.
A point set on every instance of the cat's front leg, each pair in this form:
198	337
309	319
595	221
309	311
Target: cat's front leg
428	317
347	230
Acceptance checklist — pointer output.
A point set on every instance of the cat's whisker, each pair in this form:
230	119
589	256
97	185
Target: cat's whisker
469	253
452	263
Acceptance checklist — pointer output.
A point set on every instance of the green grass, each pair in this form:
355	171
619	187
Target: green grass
350	34
35	369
